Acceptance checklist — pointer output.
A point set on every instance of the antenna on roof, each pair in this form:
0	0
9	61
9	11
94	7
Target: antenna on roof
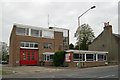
48	20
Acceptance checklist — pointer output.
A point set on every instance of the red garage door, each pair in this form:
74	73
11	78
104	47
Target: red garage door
28	57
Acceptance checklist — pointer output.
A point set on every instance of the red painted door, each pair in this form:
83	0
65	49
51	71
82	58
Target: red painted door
28	57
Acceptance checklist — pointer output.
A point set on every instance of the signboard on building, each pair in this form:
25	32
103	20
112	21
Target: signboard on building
68	57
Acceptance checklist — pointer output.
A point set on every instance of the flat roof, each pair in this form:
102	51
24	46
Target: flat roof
86	51
35	27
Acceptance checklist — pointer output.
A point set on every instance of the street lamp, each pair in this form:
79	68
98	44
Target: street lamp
79	28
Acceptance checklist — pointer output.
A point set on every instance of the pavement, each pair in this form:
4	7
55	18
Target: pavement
61	72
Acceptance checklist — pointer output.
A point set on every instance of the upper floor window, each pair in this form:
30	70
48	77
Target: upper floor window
47	34
29	45
48	45
35	33
22	31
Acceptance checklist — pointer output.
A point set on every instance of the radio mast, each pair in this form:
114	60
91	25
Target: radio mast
48	20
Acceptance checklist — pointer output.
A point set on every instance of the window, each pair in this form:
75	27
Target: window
65	40
48	57
22	44
40	32
34	33
28	55
22	31
101	57
89	57
44	57
78	57
33	55
35	45
48	34
94	57
48	45
28	45
24	55
31	45
51	57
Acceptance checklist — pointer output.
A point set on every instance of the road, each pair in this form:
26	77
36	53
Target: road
94	72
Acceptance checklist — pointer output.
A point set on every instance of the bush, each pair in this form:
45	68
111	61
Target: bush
58	58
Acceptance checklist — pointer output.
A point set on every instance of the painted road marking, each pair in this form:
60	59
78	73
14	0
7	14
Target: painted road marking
106	76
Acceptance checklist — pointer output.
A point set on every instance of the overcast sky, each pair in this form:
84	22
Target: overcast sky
61	14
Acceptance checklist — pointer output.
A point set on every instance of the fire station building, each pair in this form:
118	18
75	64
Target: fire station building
29	44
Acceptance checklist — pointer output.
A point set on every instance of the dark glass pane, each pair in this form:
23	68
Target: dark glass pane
48	58
20	31
28	57
45	57
31	44
83	57
76	56
51	57
89	57
27	44
100	57
22	45
48	45
40	33
34	32
36	45
27	31
104	57
33	56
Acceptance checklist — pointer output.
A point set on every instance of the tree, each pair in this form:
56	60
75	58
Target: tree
71	46
85	36
76	47
58	58
5	56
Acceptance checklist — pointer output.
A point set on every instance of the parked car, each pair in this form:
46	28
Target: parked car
4	62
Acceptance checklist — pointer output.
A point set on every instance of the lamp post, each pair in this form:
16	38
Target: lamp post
79	27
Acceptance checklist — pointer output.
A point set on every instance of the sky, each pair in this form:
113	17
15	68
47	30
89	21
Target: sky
61	14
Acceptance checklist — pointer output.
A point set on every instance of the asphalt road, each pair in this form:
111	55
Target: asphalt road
94	72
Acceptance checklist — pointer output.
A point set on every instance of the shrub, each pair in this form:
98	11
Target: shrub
58	58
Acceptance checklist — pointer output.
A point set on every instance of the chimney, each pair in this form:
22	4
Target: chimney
107	27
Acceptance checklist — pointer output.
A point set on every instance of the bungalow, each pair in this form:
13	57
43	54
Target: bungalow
86	58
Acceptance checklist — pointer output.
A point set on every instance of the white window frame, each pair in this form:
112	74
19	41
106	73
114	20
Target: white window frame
47	57
89	59
85	59
48	36
25	33
38	35
47	45
29	47
104	55
82	57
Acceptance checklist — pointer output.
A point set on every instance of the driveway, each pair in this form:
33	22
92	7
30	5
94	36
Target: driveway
53	72
29	69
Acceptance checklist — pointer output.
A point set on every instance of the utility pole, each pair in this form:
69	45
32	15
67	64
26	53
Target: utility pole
79	27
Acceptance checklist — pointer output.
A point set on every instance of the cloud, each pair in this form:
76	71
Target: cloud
61	14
